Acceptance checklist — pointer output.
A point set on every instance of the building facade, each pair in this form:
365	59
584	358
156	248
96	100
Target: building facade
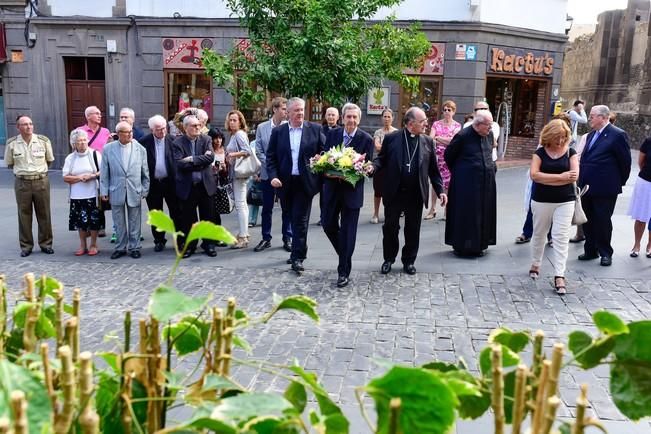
145	55
612	66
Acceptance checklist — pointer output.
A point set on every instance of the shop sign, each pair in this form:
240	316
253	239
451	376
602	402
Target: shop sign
433	61
465	52
519	61
377	100
184	53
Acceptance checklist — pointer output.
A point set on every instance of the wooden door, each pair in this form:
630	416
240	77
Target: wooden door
85	86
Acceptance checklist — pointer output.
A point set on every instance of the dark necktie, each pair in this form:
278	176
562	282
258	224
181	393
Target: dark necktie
594	139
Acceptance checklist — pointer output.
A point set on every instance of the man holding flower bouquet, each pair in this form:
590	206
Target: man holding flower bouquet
408	158
341	198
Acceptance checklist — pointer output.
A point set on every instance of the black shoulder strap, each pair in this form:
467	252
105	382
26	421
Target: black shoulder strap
94	137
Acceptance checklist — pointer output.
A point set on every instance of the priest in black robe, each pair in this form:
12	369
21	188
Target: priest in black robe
471	219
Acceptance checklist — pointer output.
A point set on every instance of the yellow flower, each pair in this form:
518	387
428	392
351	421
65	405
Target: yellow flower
323	159
345	162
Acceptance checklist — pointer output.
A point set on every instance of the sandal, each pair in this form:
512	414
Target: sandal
634	253
560	288
522	239
648	252
534	272
80	252
93	251
430	216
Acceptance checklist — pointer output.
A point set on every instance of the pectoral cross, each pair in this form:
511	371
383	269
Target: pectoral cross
408	167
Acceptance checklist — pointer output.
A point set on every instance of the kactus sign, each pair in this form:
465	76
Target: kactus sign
519	61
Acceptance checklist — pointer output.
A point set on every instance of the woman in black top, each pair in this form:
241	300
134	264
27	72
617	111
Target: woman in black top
640	206
554	169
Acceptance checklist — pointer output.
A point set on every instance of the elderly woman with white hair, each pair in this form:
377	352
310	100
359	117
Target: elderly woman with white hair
81	171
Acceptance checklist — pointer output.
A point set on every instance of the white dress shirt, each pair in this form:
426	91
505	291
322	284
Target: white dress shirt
295	135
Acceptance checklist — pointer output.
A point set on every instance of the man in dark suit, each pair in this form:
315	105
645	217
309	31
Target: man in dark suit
342	199
605	167
290	148
195	184
161	172
407	158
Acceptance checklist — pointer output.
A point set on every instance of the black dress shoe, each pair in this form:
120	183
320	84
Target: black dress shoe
264	244
188	253
118	254
287	245
586	257
47	250
135	254
25	253
577	239
289	261
210	252
409	268
158	247
606	261
297	266
386	267
342	281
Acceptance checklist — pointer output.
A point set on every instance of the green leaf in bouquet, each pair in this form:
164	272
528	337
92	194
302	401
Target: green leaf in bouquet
15	377
167	302
588	352
516	341
428	403
209	231
186	337
300	303
509	359
608	323
161	221
630	373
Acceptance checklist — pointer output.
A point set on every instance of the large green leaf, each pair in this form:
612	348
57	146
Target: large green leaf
108	404
209	231
214	382
473	400
589	353
186	337
295	393
20	313
300	303
516	341
239	409
39	409
428	403
608	323
630	374
167	302
161	221
48	285
509	358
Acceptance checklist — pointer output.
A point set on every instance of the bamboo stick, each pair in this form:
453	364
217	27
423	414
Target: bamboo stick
154	392
19	407
88	419
70	338
29	287
47	374
127	420
520	398
5	425
142	327
536	364
31	317
550	414
539	411
394	415
3	315
127	331
63	420
58	317
498	389
555	370
218	326
76	305
581	405
228	338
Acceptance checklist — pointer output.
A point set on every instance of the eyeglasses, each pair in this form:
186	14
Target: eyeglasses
481	108
448	110
124	132
194	125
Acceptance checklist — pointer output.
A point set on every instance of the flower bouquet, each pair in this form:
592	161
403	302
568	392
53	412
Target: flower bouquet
343	163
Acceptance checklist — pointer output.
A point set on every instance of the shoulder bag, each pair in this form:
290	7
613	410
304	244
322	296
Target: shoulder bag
224	198
578	217
246	167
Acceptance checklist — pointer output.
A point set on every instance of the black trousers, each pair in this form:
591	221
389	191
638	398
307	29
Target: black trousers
299	203
340	225
159	191
599	228
200	199
411	202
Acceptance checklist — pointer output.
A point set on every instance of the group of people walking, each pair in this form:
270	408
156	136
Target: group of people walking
412	169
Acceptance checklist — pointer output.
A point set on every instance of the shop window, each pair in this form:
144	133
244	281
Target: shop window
184	89
427	97
520	98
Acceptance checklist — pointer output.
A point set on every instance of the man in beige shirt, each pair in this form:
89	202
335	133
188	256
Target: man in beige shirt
30	155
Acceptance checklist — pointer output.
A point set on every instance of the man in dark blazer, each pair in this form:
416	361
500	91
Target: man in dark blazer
605	167
290	148
160	162
195	184
408	158
341	200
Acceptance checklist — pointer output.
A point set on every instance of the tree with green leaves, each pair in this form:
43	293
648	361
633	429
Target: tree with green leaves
323	49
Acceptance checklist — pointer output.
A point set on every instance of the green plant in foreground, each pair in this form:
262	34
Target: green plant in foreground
141	386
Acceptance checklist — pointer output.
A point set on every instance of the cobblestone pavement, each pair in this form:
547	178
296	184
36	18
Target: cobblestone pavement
405	319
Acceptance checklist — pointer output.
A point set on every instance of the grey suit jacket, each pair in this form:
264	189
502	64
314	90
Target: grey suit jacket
128	184
262	136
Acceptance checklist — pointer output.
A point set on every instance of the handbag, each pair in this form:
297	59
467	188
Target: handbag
224	199
579	217
254	194
246	167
